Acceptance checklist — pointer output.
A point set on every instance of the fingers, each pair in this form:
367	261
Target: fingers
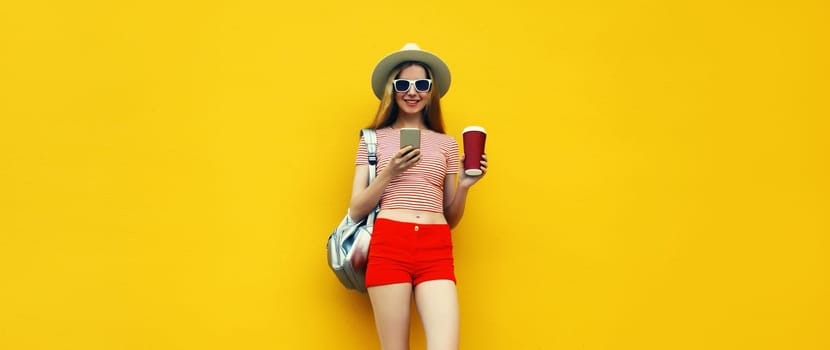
408	154
482	166
407	157
483	163
416	158
403	151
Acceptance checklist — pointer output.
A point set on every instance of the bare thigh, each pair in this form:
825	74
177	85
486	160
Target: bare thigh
437	303
390	304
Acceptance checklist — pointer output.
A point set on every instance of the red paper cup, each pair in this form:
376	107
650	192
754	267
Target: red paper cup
474	137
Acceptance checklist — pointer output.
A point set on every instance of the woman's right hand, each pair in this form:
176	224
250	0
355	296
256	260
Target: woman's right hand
404	159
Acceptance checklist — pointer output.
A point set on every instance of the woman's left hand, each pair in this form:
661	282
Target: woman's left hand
467	180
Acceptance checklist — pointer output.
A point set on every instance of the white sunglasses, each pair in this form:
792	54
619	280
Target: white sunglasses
403	85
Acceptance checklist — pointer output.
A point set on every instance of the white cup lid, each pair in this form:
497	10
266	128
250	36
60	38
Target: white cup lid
474	128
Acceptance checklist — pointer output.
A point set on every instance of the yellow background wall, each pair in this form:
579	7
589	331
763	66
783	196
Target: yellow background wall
169	172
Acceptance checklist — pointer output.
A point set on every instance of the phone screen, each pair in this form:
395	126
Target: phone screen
410	136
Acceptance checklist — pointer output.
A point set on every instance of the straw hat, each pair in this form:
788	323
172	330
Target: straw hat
411	52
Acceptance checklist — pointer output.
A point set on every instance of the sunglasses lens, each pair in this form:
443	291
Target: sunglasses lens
401	85
422	85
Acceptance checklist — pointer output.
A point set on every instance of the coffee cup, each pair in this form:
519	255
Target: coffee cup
474	137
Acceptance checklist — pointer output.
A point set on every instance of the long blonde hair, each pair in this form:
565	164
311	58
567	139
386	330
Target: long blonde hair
388	110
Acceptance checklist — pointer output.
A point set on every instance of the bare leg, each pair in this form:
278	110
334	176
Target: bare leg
390	304
437	303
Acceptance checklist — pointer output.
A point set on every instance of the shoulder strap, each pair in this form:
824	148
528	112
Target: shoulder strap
371	140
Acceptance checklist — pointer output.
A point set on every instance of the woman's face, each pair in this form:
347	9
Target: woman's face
412	101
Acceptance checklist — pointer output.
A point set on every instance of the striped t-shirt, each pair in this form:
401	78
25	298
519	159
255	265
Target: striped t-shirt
422	186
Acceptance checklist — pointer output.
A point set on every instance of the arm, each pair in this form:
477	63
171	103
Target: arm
365	196
455	198
455	194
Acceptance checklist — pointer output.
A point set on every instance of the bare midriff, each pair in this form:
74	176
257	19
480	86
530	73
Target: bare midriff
413	216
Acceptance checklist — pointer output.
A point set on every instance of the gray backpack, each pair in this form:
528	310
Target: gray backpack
343	255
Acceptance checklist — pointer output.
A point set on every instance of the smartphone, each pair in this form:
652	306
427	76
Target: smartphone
410	137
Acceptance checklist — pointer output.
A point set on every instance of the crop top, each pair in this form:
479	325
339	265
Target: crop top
422	186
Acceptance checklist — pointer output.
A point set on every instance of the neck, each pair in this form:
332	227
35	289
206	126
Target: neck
409	121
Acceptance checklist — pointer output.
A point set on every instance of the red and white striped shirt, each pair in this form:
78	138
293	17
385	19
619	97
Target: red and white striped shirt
422	186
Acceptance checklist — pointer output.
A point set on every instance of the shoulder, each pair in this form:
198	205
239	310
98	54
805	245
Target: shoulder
441	139
384	132
379	133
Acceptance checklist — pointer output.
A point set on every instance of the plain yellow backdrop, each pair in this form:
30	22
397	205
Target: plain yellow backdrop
169	172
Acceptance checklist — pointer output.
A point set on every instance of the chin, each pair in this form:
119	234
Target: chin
411	110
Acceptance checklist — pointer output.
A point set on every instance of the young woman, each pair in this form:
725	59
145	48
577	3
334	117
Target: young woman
421	194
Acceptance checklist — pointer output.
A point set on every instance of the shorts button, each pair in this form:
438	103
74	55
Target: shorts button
417	228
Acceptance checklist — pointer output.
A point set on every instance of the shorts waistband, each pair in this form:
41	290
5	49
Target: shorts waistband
408	224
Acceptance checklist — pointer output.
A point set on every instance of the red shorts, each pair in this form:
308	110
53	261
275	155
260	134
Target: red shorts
402	252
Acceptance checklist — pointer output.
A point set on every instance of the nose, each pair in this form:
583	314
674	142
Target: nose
411	91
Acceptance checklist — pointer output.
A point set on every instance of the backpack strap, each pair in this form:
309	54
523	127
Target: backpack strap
371	140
